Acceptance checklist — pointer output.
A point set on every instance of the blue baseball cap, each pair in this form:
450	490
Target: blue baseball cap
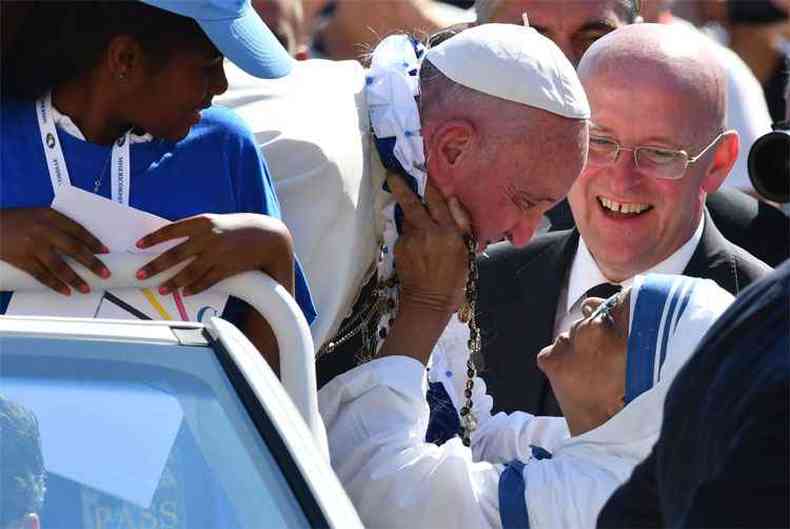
238	33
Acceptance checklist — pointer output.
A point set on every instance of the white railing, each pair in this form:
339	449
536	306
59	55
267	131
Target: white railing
270	299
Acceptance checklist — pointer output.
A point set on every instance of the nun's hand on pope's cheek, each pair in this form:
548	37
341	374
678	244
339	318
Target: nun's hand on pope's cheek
222	246
36	239
431	256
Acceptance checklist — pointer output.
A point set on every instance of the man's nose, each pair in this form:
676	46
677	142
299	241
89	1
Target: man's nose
623	174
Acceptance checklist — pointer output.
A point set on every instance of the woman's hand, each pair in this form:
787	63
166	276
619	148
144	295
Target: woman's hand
35	239
222	246
432	261
431	255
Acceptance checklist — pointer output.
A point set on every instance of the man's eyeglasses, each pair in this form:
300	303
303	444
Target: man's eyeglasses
667	164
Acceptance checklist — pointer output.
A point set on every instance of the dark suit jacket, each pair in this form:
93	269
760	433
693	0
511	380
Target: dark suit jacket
519	291
755	226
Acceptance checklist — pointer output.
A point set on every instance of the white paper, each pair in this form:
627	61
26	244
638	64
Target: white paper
119	228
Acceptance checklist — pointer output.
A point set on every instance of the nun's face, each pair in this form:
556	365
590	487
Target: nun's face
586	365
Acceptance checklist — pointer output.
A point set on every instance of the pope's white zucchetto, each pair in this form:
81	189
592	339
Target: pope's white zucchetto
515	63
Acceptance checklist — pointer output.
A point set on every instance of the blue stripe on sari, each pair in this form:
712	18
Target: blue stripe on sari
512	502
642	341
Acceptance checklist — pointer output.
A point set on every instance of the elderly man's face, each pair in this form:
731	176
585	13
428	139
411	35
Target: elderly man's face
511	181
637	107
572	24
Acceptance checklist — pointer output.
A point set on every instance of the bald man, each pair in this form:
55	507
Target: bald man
658	146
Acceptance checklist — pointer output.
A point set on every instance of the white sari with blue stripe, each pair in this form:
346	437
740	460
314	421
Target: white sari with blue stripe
669	316
376	419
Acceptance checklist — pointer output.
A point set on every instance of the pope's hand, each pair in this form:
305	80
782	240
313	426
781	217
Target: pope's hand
431	255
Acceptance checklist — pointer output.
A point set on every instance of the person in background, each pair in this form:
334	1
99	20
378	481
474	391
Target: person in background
22	474
286	19
639	204
132	83
758	31
574	26
344	29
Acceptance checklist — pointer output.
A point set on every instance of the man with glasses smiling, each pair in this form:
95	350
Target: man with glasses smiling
658	146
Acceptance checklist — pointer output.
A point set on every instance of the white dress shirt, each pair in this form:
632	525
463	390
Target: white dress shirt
585	274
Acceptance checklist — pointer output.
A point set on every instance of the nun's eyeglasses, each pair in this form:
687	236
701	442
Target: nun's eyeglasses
605	308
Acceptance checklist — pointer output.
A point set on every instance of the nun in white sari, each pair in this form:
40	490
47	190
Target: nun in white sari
610	372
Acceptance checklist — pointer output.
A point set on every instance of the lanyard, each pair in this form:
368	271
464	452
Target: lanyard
56	163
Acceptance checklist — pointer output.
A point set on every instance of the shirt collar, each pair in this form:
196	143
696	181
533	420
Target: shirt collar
585	273
66	124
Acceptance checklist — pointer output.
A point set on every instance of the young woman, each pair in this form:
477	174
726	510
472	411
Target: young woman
610	373
115	98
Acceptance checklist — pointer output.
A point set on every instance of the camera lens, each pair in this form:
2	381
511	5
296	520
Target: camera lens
769	166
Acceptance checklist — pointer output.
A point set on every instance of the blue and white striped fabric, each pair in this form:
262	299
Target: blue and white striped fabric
663	299
669	317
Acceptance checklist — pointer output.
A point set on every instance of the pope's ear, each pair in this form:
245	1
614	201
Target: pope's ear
450	148
723	160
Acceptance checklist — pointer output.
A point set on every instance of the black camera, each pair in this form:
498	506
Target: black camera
769	164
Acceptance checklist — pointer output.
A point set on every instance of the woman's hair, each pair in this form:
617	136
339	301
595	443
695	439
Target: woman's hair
61	40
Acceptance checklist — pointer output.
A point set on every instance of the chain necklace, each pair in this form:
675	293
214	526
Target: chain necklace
361	321
97	182
468	314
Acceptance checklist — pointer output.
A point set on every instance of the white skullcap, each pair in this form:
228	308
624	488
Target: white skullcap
515	63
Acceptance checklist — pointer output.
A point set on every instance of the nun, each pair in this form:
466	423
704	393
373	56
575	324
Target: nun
610	372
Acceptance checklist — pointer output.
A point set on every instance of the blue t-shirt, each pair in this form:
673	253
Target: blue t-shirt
217	168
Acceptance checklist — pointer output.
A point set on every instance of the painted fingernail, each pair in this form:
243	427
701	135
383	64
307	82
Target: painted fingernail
104	272
141	243
66	291
164	291
84	289
141	274
104	249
